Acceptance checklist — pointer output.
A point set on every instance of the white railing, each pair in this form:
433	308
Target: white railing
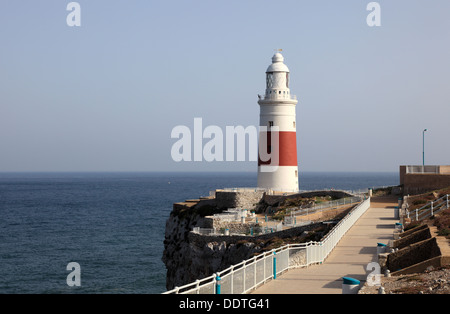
429	209
422	169
296	211
290	220
242	189
277	96
249	274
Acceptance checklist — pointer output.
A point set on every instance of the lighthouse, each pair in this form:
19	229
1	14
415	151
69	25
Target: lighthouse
277	154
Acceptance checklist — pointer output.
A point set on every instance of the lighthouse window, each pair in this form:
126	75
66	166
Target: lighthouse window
269	81
270	124
279	92
293	124
296	173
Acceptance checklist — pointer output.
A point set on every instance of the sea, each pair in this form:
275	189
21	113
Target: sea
111	224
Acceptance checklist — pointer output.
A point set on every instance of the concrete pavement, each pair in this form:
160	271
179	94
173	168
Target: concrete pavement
348	259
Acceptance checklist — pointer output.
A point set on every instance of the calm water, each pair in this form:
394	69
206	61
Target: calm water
112	224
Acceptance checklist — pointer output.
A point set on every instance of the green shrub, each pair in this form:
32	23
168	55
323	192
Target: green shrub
444	232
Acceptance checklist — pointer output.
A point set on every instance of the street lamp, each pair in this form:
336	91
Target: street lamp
423	147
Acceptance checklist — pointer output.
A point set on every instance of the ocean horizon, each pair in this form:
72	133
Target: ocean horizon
111	223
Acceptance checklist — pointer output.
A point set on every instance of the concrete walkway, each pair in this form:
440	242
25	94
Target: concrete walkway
348	259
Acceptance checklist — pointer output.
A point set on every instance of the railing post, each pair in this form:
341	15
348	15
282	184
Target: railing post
254	273
197	286
431	208
417	214
244	269
274	265
218	279
447	201
264	268
232	280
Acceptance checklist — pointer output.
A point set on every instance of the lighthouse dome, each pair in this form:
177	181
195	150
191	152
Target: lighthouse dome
278	57
277	64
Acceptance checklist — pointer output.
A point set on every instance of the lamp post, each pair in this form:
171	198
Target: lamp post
423	147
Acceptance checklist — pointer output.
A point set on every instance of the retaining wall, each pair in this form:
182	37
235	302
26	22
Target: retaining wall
412	254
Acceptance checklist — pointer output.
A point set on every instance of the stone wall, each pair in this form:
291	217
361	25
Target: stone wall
413	254
419	234
234	227
238	199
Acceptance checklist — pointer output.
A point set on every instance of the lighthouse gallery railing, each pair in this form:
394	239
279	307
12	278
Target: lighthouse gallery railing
249	274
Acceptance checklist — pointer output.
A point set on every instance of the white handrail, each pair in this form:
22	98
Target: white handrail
249	274
429	209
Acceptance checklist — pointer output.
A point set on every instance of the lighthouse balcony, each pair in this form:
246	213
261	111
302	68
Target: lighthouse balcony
276	96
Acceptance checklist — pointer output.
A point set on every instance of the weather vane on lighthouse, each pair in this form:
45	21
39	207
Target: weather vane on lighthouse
278	133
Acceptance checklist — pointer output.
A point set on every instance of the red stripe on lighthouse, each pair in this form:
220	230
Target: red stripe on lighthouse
287	149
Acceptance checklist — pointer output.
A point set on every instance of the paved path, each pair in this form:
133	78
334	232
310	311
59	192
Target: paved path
348	259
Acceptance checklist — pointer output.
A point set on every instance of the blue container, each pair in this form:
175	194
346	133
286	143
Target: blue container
350	281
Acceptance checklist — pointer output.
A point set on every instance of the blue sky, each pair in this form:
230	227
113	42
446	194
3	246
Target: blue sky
105	96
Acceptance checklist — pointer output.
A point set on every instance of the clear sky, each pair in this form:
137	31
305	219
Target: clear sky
105	96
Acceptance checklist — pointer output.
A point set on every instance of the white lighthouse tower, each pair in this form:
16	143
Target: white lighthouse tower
277	114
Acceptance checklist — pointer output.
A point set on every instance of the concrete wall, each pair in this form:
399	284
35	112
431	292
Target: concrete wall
422	183
417	183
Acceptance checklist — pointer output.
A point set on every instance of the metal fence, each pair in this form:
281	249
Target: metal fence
249	274
296	211
428	209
